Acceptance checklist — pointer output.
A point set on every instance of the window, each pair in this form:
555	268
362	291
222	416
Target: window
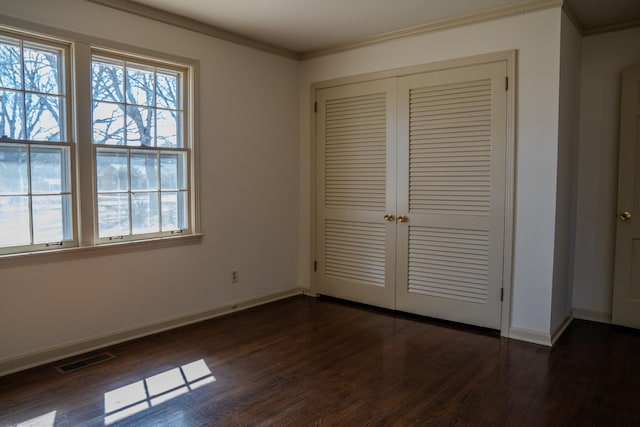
140	157
35	151
135	181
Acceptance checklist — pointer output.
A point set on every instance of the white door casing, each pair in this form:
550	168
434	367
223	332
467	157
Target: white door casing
626	288
452	123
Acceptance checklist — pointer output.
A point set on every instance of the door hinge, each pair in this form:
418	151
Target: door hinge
501	294
315	265
315	107
506	83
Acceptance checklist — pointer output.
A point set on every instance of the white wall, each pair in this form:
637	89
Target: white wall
258	222
249	198
570	55
603	59
536	36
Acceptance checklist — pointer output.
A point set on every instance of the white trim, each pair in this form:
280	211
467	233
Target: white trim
59	35
541	338
310	293
600	29
193	133
183	22
475	18
52	354
510	58
528	335
571	14
85	182
81	47
311	194
610	28
67	142
505	55
509	195
165	17
561	328
58	255
189	24
592	315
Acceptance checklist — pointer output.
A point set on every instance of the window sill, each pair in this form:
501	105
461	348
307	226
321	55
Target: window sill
57	255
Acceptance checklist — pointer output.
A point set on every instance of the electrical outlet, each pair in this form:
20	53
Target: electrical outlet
234	276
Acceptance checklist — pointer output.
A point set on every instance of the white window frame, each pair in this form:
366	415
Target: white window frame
85	243
186	149
68	141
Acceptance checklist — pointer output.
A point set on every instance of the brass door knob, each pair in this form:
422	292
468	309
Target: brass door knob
403	218
625	216
389	217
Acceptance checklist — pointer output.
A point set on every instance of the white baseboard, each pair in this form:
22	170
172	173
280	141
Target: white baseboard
560	329
593	315
30	360
549	340
541	338
528	335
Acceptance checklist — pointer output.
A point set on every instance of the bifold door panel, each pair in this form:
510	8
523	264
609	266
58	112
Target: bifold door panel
356	165
451	145
411	184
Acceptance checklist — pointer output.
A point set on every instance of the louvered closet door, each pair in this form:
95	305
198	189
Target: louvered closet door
451	185
355	128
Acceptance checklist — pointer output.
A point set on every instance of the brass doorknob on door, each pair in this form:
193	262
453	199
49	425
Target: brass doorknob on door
403	218
625	216
389	217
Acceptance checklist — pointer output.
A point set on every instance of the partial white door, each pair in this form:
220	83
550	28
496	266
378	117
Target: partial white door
355	188
451	193
626	288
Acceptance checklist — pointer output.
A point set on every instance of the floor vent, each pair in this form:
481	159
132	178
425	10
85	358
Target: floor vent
87	361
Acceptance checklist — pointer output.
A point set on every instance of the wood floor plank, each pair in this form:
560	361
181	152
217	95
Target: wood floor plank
318	362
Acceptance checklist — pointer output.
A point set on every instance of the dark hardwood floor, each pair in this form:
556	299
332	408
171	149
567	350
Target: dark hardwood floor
305	361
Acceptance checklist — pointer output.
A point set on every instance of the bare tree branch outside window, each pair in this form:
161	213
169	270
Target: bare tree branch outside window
34	178
137	105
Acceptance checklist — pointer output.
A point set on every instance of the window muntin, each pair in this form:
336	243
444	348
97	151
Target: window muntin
140	155
139	110
35	155
31	91
140	192
136	105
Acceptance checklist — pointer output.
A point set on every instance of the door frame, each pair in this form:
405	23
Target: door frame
510	58
623	261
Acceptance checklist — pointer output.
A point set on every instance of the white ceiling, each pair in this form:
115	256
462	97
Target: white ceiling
310	25
596	14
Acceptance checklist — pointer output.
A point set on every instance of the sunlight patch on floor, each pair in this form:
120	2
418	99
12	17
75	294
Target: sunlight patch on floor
136	397
45	420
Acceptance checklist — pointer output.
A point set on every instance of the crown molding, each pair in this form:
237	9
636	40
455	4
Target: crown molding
610	28
571	14
490	15
163	16
592	31
193	25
